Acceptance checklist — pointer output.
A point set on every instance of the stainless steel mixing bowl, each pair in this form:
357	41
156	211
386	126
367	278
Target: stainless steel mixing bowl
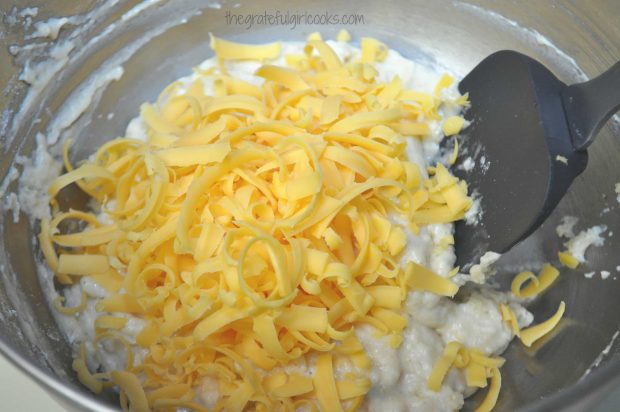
454	34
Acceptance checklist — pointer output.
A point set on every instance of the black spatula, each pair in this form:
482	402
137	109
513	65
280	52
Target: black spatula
528	139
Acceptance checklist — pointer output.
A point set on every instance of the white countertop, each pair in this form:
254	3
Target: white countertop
19	392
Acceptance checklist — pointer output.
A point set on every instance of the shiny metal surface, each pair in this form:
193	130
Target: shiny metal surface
458	34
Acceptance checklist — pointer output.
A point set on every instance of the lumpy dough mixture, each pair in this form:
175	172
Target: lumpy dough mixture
399	376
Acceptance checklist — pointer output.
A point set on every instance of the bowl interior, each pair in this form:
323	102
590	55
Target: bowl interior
164	41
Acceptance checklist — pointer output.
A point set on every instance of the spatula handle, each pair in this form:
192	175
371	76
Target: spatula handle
589	105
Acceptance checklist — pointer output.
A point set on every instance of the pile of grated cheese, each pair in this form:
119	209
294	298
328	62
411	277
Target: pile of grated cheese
253	229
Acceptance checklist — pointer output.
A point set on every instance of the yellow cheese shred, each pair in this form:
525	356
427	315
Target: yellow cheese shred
47	247
443	365
536	285
131	387
343	36
194	155
568	260
509	316
283	76
87	171
453	125
421	278
475	375
455	153
373	50
546	277
227	50
490	399
84	375
521	279
327	391
83	264
478	369
254	230
70	311
533	333
314	36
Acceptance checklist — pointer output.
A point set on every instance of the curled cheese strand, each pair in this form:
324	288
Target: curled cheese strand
45	243
228	50
87	171
509	316
443	365
200	186
131	388
327	391
520	280
533	333
537	285
490	399
84	375
92	237
70	311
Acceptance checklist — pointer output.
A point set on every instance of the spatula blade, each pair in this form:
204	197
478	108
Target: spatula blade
518	140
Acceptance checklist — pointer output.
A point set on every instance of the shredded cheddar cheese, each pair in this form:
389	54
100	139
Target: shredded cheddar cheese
534	285
478	369
533	333
70	311
343	36
253	230
453	125
509	316
455	153
235	51
568	260
493	393
477	366
79	366
421	278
